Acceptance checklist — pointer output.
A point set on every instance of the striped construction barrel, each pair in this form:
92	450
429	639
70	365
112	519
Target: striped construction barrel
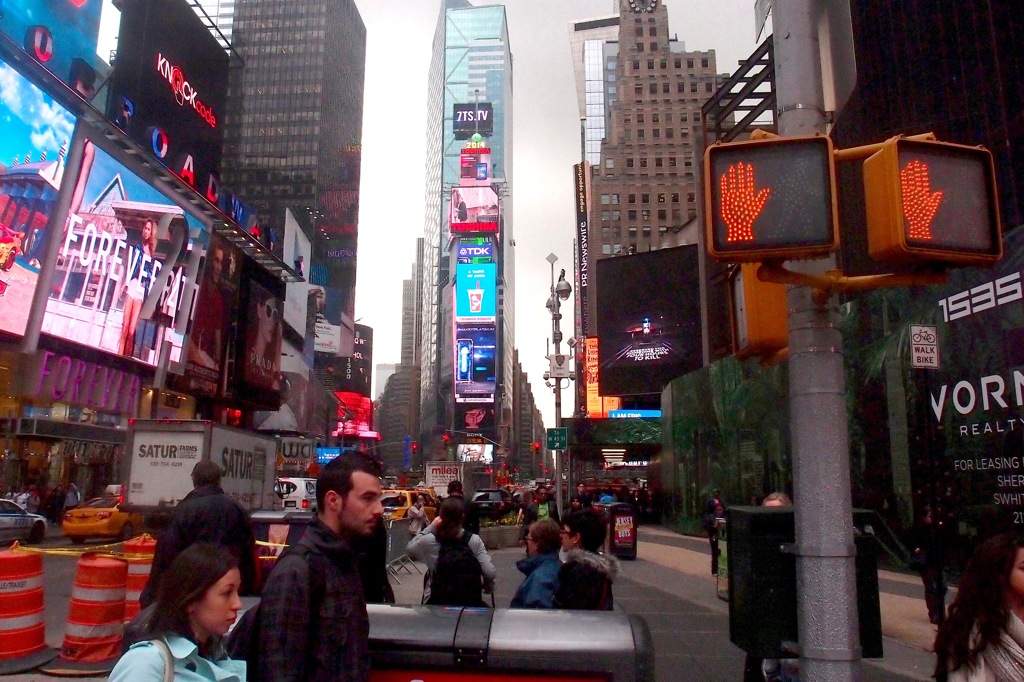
95	626
139	553
22	627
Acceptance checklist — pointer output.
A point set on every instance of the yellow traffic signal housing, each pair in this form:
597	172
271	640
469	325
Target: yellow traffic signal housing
932	201
760	324
770	199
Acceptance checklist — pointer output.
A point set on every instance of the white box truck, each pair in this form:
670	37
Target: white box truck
162	453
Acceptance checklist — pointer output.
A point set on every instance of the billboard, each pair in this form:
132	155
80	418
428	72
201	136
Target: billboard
297	251
475	420
581	175
475	167
473	209
34	136
355	415
62	36
475	292
261	360
215	309
354	373
478	453
475	250
168	88
475	367
649	326
475	117
297	396
125	251
597	405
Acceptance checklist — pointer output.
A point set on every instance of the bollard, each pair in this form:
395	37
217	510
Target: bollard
22	628
139	553
92	638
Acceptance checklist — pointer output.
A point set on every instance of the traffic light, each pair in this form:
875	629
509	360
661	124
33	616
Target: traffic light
446	438
534	446
760	325
770	199
930	201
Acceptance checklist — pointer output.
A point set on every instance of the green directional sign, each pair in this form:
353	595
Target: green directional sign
558	439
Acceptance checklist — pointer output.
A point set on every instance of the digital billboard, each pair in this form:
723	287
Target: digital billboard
215	308
123	263
168	89
297	251
475	292
477	453
649	326
353	373
34	135
261	361
61	35
476	419
475	167
355	415
474	117
473	209
475	250
297	396
475	368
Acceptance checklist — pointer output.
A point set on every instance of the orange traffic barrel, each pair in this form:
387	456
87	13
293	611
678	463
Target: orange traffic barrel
139	553
95	627
22	628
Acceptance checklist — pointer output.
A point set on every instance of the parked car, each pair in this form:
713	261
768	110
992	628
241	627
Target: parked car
18	524
295	493
491	503
100	517
397	502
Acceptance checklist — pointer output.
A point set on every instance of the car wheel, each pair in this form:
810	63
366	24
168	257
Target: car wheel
77	540
126	532
38	533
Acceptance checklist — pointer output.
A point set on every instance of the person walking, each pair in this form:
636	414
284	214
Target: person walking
540	567
206	514
925	560
714	509
443	546
196	604
982	637
585	579
542	508
73	497
323	633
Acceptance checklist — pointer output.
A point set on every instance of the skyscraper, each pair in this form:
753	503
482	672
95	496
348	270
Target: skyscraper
471	65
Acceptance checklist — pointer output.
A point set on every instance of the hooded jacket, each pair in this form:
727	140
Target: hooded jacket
328	639
541	580
585	581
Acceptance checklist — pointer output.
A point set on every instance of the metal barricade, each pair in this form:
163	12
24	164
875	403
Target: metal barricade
398	540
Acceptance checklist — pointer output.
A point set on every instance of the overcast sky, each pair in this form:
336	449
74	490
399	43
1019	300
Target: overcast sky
545	146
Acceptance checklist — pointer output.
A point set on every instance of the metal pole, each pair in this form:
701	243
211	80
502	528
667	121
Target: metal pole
826	573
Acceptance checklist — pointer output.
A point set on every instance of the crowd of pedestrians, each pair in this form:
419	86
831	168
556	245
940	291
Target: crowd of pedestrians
50	503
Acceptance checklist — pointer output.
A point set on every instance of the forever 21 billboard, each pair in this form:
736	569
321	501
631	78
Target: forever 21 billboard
169	87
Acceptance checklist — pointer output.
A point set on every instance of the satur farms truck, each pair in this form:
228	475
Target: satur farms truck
162	453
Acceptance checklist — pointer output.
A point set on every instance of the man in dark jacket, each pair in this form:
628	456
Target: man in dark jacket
323	636
206	514
585	579
542	508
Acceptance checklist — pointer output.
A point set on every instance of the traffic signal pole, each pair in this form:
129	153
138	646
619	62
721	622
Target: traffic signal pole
829	643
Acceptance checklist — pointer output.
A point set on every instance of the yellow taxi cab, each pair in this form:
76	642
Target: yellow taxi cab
396	502
100	517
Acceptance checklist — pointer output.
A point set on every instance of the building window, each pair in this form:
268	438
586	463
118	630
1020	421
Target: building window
639	47
653	88
639	31
615	198
680	86
650	64
704	63
639	118
671	159
655	118
693	86
629	135
689	198
675	197
664	88
654	47
605	215
616	248
645	198
632	198
641	133
629	162
643	162
609	163
657	133
663	64
615	215
679	62
687	161
606	249
647	228
631	214
662	215
661	197
707	87
606	233
606	199
689	63
627	119
658	162
638	90
670	133
652	31
636	64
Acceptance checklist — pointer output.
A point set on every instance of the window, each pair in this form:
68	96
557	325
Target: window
631	214
606	199
689	63
639	31
668	117
689	198
615	215
615	198
627	119
638	90
661	197
704	63
616	248
647	228
629	135
679	62
652	31
658	162
632	233
605	215
680	86
639	118
645	198
684	117
657	133
609	163
655	118
643	162
636	64
654	47
663	64
707	87
671	159
693	86
639	47
675	197
606	249
629	162
653	88
664	88
632	198
606	233
688	161
650	64
612	89
641	133
670	133
662	215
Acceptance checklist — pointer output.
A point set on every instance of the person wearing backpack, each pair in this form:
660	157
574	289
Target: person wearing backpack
196	603
312	621
458	566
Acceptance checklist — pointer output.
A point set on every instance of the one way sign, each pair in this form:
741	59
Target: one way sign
924	347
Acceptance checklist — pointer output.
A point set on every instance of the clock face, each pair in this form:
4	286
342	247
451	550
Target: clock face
643	5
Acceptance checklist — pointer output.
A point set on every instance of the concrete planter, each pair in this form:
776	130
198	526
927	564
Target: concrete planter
499	537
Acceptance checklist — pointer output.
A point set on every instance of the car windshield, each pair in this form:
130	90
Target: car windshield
392	501
487	496
101	503
311	487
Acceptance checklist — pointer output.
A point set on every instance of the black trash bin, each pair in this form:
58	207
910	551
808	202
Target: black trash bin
622	523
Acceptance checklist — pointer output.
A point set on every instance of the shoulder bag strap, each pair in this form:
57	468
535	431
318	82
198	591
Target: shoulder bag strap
165	651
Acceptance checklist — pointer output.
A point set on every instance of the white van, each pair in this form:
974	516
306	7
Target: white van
295	493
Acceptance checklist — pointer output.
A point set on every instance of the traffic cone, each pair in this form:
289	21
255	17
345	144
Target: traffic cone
22	628
92	638
139	553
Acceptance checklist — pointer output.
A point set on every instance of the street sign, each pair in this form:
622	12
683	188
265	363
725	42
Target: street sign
558	439
924	347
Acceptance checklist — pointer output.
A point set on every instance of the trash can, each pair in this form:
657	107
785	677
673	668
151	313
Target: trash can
622	529
436	642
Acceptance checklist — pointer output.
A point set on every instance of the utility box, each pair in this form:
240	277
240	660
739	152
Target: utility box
762	581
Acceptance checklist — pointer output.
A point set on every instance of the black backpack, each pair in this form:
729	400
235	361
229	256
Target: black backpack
243	643
457	579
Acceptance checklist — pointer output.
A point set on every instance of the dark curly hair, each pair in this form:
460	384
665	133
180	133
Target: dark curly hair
980	601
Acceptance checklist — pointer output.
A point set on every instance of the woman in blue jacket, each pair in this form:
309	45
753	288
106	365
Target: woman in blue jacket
196	604
540	566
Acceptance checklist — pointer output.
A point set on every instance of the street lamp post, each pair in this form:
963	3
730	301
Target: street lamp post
560	291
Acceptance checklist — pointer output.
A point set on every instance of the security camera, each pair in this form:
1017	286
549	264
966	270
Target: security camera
547	375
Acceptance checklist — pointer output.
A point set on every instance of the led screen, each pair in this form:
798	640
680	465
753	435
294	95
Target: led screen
355	414
475	117
261	366
473	209
475	292
478	453
475	378
649	321
122	264
34	135
475	167
353	373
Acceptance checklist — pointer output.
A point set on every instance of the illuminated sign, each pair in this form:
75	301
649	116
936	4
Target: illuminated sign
770	198
477	453
57	377
475	363
475	286
473	209
183	90
468	119
475	167
581	177
473	253
633	414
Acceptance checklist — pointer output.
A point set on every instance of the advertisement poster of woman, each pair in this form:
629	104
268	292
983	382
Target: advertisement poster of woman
215	308
262	366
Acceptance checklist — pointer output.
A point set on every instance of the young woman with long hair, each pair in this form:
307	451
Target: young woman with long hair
196	604
135	283
982	638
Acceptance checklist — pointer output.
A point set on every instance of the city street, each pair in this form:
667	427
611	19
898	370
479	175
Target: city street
668	585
